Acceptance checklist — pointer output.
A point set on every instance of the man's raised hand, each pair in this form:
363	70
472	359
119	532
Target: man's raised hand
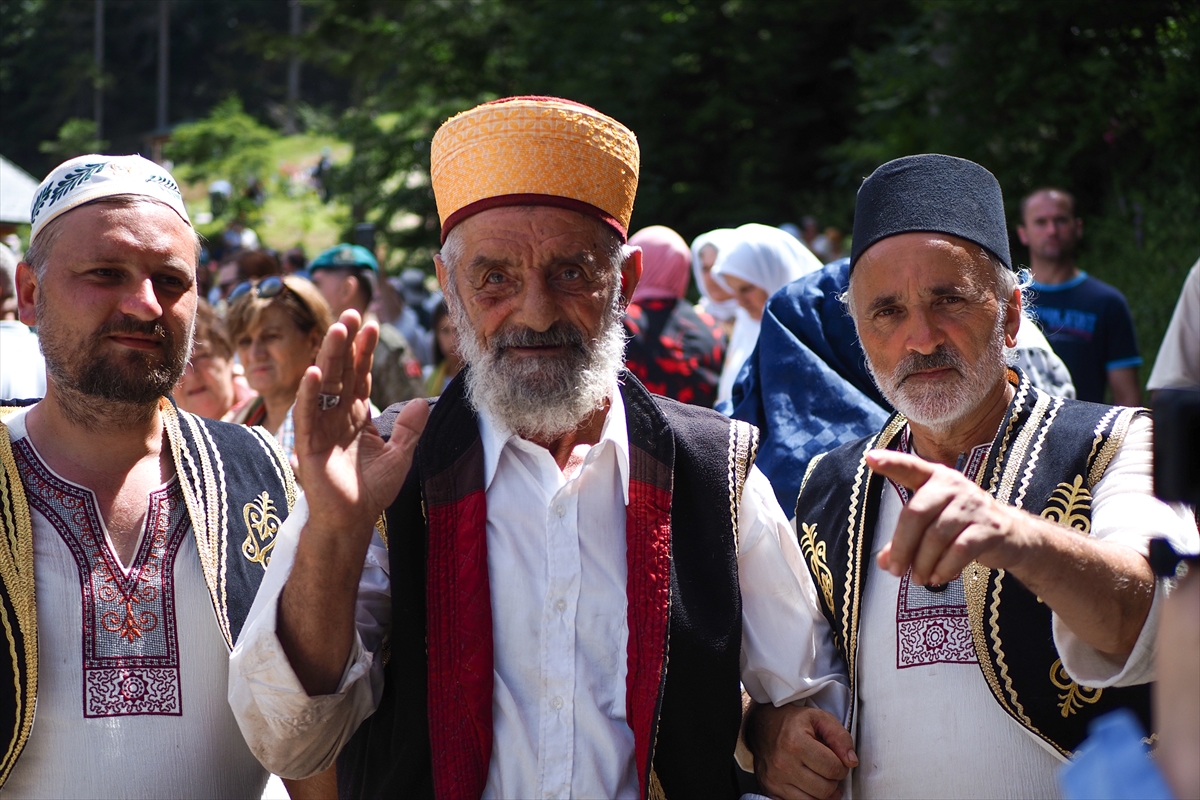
348	473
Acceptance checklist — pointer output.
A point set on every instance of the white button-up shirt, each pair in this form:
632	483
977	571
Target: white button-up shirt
557	572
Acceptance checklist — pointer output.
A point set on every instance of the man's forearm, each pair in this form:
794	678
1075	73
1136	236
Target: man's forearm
1126	389
1101	591
315	621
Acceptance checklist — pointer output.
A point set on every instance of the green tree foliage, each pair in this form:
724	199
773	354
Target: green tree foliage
76	137
229	144
734	102
217	47
1100	98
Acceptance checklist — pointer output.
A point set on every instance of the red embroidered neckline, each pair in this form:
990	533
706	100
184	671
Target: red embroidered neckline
130	635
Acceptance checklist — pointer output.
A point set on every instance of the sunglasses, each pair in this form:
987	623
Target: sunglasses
267	288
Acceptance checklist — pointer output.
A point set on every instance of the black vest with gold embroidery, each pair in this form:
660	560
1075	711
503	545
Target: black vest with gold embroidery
1047	457
238	488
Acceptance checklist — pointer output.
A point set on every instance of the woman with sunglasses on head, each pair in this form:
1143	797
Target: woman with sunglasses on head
277	325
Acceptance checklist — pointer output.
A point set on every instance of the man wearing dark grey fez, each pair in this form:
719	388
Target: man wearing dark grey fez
982	560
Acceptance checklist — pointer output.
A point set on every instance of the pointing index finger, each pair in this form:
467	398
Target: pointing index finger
908	470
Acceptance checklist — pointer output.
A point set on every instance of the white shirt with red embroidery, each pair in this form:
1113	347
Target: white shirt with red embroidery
927	723
132	668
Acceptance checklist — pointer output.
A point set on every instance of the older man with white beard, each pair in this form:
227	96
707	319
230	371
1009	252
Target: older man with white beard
983	559
577	573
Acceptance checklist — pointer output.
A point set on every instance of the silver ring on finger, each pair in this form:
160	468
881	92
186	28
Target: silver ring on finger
327	401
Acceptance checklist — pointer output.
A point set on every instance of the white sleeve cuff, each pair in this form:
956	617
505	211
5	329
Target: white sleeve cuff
292	734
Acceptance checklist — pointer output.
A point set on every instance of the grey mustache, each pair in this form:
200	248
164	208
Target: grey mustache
918	362
558	335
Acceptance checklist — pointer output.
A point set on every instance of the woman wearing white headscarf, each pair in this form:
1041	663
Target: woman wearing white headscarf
761	262
707	251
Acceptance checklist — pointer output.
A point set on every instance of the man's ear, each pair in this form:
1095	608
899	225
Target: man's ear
631	272
443	274
1022	236
27	292
1012	318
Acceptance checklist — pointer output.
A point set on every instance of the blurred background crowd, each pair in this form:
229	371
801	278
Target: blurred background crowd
298	131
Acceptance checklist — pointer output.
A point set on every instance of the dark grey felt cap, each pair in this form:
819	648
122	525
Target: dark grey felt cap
933	194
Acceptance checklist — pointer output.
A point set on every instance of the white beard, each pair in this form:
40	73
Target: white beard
541	398
938	406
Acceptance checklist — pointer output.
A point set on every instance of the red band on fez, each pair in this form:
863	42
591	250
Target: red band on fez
568	203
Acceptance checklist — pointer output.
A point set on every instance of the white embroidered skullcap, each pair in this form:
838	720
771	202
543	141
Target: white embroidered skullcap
92	177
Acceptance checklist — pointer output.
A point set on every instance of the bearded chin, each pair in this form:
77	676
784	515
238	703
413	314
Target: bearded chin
940	406
543	398
137	381
132	378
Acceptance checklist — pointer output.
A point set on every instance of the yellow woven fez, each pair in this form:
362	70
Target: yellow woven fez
534	151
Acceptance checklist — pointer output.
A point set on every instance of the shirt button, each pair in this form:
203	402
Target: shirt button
557	703
560	510
561	605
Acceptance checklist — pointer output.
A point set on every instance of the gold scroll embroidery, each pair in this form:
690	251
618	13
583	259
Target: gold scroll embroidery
655	791
1069	504
16	570
262	523
1074	695
816	560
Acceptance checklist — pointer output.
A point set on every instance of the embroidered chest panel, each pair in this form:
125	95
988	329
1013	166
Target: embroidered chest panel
130	637
932	626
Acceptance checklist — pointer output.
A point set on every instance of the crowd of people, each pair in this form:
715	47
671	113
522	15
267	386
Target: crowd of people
850	523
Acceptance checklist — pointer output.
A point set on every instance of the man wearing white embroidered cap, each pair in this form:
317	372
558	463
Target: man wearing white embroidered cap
133	535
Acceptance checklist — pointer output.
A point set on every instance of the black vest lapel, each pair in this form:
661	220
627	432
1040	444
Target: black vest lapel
238	488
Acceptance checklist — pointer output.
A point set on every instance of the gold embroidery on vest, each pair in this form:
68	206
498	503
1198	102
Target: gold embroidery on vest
1069	505
857	534
1098	434
655	790
743	443
283	468
816	561
809	469
1002	453
1074	695
16	570
382	530
262	523
1043	430
1116	437
1017	460
204	492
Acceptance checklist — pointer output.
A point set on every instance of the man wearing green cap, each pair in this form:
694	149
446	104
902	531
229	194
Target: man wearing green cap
982	560
347	275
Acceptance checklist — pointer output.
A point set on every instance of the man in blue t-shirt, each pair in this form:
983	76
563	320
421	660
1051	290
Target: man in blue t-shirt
1087	321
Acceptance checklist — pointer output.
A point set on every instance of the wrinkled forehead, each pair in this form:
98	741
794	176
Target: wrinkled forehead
920	264
533	236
